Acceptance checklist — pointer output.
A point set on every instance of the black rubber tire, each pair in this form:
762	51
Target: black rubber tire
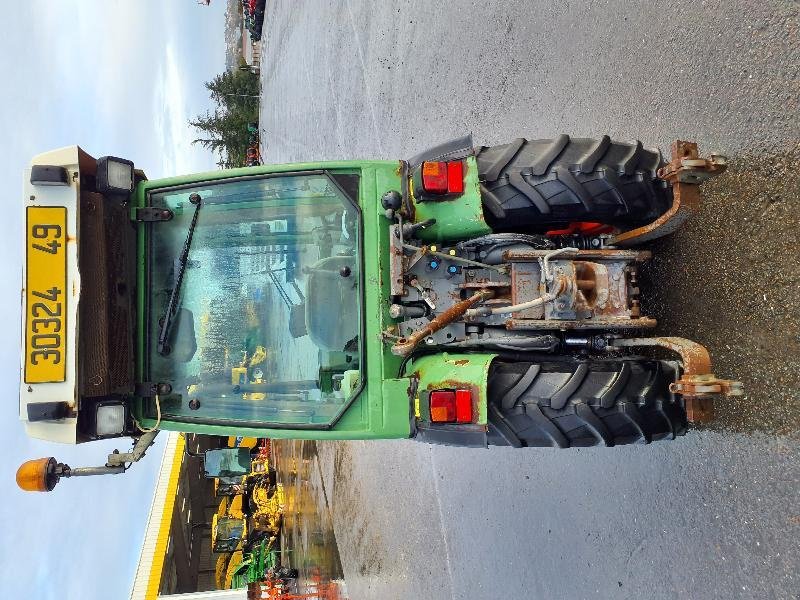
566	402
534	185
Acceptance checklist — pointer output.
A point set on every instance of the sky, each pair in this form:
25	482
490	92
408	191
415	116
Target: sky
121	78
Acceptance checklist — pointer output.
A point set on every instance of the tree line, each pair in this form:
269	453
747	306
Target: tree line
224	129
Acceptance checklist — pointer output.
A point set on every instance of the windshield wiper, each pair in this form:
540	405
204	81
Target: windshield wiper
163	347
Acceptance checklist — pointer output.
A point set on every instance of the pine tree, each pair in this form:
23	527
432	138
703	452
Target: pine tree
224	129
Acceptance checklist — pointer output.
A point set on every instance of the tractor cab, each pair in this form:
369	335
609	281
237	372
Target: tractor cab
226	463
271	290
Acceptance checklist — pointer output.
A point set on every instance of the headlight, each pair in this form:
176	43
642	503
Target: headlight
109	419
114	175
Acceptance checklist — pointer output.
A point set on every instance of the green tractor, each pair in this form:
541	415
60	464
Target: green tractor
258	563
469	296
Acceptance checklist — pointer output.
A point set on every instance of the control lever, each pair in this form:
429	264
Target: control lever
423	293
410	229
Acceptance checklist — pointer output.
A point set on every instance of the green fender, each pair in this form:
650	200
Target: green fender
458	218
452	371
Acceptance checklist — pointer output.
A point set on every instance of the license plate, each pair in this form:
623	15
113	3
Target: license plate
45	289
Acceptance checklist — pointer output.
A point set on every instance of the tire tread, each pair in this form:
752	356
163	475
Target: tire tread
565	401
539	184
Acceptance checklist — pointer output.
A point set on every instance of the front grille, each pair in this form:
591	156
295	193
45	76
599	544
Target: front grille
106	313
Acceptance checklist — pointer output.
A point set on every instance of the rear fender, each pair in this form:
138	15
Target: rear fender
453	150
451	371
460	216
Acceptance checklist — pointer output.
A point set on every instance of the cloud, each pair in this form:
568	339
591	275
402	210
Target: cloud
128	67
119	77
171	114
90	50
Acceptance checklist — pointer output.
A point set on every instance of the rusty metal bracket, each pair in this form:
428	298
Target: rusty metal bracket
595	255
404	346
613	324
396	267
685	171
698	385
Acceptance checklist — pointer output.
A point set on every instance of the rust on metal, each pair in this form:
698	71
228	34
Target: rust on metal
601	254
471	285
567	324
686	165
685	201
525	286
699	409
698	384
684	171
596	286
601	290
405	345
396	258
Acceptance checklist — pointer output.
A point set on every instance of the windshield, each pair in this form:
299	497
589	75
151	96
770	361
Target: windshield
267	329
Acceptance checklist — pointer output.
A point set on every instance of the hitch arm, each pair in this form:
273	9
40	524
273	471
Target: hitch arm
685	171
698	385
405	346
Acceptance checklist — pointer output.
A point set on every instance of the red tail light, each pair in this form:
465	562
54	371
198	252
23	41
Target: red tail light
463	406
434	177
451	406
455	177
443	177
443	406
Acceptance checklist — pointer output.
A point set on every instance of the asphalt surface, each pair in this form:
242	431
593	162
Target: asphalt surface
308	540
715	514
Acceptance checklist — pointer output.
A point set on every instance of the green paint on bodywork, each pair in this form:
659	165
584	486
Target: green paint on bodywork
383	408
455	371
458	219
255	564
381	411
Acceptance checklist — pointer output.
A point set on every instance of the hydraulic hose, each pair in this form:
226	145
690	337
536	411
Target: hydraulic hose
486	311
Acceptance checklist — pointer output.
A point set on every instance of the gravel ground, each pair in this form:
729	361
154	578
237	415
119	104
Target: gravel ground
713	515
733	283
